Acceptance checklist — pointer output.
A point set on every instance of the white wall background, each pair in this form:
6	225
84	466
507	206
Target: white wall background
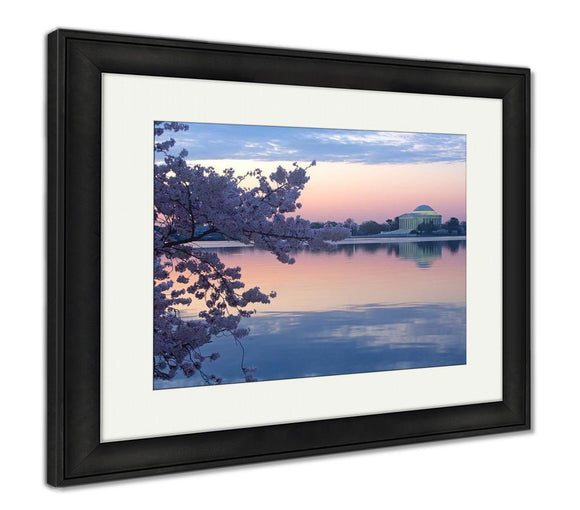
515	470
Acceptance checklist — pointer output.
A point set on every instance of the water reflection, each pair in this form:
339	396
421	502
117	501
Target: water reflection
424	254
361	308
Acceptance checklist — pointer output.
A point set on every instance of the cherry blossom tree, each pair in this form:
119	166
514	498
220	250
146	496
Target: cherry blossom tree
192	202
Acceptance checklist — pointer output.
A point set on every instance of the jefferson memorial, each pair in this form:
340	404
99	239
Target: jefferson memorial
422	213
410	221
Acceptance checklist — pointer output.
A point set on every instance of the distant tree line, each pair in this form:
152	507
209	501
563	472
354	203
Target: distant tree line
371	227
451	227
366	228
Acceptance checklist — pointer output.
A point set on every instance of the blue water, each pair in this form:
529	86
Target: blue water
334	324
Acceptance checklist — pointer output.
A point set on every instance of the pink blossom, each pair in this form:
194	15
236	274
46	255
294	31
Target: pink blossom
192	202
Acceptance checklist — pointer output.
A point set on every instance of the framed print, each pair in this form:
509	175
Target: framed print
260	253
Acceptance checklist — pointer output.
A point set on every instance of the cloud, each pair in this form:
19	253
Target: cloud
272	143
361	137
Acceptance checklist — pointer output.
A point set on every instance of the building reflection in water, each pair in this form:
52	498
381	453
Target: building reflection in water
423	253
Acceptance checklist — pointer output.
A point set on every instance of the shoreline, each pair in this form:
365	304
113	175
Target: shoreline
347	241
406	239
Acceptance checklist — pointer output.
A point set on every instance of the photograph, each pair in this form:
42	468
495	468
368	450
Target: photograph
260	254
290	252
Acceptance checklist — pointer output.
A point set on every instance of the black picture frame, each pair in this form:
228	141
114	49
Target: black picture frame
75	62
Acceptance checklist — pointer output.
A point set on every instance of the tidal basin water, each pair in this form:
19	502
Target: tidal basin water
365	307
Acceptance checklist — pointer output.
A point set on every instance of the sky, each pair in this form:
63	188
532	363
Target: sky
363	175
